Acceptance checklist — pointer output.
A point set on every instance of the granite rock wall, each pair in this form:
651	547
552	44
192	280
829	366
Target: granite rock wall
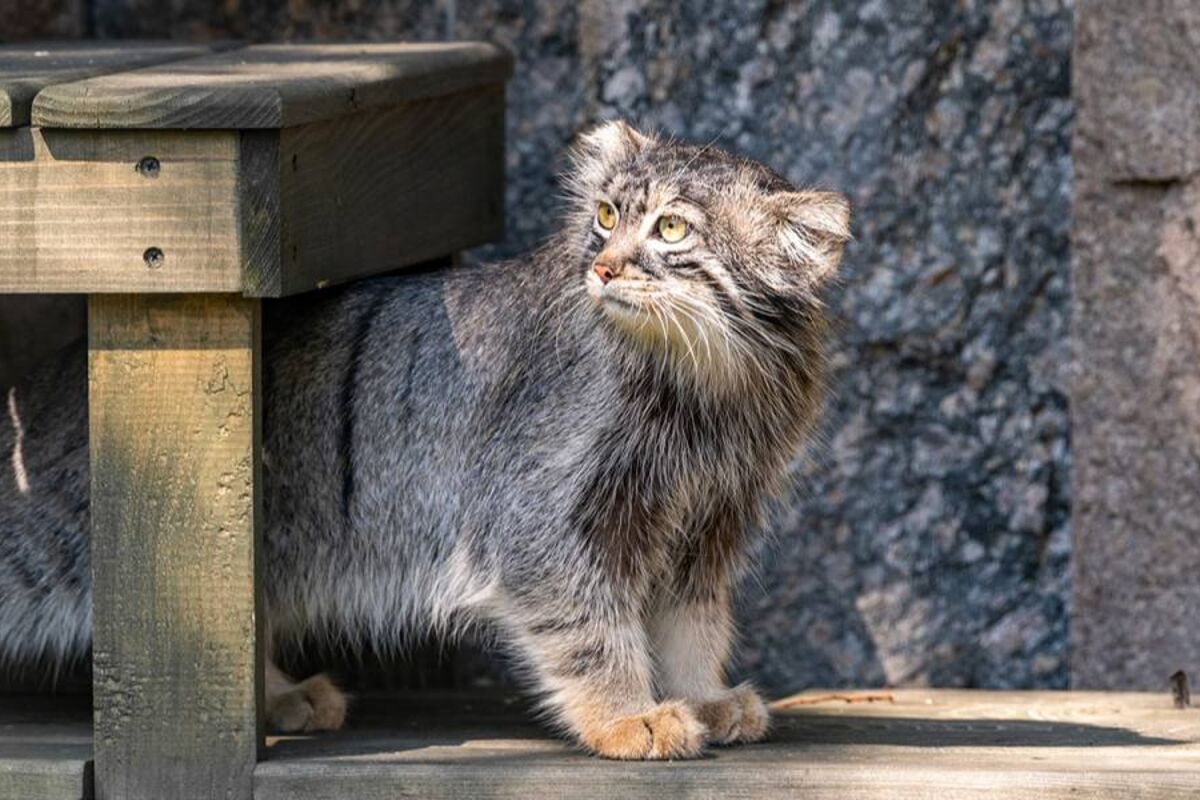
928	537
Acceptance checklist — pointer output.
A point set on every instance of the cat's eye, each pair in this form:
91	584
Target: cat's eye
606	216
672	228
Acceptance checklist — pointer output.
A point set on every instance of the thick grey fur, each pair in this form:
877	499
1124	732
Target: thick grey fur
486	445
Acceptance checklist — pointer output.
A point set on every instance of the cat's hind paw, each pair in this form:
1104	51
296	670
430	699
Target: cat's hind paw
312	705
667	731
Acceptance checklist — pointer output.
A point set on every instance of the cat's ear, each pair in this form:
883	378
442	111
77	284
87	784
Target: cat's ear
601	149
614	140
813	228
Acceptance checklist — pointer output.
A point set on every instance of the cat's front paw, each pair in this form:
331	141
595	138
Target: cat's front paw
736	715
312	705
669	730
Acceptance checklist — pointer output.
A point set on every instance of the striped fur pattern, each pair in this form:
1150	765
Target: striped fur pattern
570	462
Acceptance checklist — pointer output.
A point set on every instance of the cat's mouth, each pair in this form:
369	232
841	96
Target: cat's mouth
613	298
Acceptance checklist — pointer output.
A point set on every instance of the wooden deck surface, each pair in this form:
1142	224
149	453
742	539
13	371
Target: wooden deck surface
45	747
924	744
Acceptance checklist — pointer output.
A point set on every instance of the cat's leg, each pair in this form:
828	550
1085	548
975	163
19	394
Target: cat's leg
313	704
592	662
692	637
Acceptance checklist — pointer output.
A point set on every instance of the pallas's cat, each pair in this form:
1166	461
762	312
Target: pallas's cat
570	449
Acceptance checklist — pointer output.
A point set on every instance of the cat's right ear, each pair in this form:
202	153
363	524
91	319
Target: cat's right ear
614	140
600	149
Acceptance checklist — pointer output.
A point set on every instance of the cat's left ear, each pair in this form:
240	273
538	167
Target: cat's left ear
813	230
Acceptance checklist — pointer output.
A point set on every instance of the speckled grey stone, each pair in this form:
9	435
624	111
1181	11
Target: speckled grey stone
927	539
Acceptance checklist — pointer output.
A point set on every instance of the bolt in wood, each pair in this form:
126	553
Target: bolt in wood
148	167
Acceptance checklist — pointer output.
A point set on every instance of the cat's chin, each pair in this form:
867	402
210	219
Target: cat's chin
708	364
629	317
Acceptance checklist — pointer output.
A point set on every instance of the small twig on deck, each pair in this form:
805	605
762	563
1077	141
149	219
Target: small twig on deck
1180	692
851	697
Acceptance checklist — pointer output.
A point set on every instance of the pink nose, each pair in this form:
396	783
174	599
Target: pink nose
604	270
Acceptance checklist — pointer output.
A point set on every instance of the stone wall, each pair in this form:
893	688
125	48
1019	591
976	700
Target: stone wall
927	540
1136	397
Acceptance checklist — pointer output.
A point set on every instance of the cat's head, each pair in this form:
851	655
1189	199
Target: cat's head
711	259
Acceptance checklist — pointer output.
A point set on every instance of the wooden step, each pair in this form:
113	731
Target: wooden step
935	744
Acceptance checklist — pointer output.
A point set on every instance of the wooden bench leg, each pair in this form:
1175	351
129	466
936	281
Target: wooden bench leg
174	395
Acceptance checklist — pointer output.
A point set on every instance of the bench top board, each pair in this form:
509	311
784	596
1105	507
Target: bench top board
271	86
266	169
26	69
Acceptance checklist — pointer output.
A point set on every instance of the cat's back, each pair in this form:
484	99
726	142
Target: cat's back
402	412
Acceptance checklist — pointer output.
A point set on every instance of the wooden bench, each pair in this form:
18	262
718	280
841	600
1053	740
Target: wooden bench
176	186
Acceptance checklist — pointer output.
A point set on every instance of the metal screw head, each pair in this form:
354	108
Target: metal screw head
148	167
153	257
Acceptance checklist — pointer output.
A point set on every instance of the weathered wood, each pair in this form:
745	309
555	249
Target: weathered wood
262	212
260	216
928	744
26	69
389	188
272	86
78	214
45	748
174	405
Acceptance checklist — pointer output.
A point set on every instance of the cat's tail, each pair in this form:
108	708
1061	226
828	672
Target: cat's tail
45	567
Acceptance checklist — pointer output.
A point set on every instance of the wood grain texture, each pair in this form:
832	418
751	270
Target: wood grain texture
174	407
272	86
45	748
26	69
76	214
389	188
928	745
263	212
260	216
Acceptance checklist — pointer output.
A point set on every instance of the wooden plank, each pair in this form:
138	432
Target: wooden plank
272	86
927	745
260	215
26	69
262	212
45	748
78	214
388	188
174	408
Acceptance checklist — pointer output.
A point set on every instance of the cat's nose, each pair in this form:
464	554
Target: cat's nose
605	270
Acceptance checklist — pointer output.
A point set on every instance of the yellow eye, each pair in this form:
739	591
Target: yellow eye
672	228
606	216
